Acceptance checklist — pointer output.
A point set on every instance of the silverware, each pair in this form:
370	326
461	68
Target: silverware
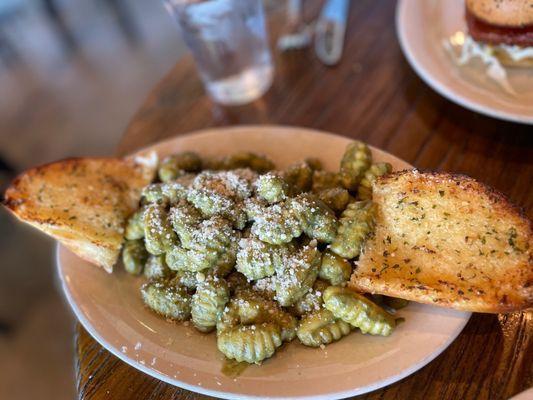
329	31
297	34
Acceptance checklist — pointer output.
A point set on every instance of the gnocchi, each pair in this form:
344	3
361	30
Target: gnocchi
256	254
358	311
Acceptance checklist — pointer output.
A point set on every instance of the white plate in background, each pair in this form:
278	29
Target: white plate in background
422	25
525	395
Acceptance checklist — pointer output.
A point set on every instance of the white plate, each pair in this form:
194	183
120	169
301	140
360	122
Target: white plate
421	26
525	395
110	308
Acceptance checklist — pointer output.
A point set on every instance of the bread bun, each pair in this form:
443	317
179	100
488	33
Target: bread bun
509	13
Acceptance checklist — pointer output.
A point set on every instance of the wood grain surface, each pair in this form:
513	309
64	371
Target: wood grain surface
372	95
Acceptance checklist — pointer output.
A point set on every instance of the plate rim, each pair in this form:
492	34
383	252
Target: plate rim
220	393
435	83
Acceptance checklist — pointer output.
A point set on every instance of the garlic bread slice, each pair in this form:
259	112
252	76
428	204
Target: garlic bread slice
447	240
82	202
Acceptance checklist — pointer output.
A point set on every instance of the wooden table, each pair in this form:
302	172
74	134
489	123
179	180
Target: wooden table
372	95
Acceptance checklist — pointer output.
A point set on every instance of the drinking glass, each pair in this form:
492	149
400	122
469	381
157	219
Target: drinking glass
229	43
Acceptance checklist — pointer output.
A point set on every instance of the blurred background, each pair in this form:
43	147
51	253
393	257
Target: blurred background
72	73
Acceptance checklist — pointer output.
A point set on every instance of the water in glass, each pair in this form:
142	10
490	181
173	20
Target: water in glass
229	43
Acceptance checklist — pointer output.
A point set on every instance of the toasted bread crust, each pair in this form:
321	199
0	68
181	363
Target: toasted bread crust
509	13
447	240
81	202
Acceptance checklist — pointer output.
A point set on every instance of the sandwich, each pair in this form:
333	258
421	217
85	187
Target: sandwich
504	28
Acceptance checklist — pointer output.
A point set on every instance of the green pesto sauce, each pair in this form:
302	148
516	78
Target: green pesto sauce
232	368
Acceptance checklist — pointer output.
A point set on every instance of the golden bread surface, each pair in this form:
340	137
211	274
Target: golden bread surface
447	240
82	202
511	13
